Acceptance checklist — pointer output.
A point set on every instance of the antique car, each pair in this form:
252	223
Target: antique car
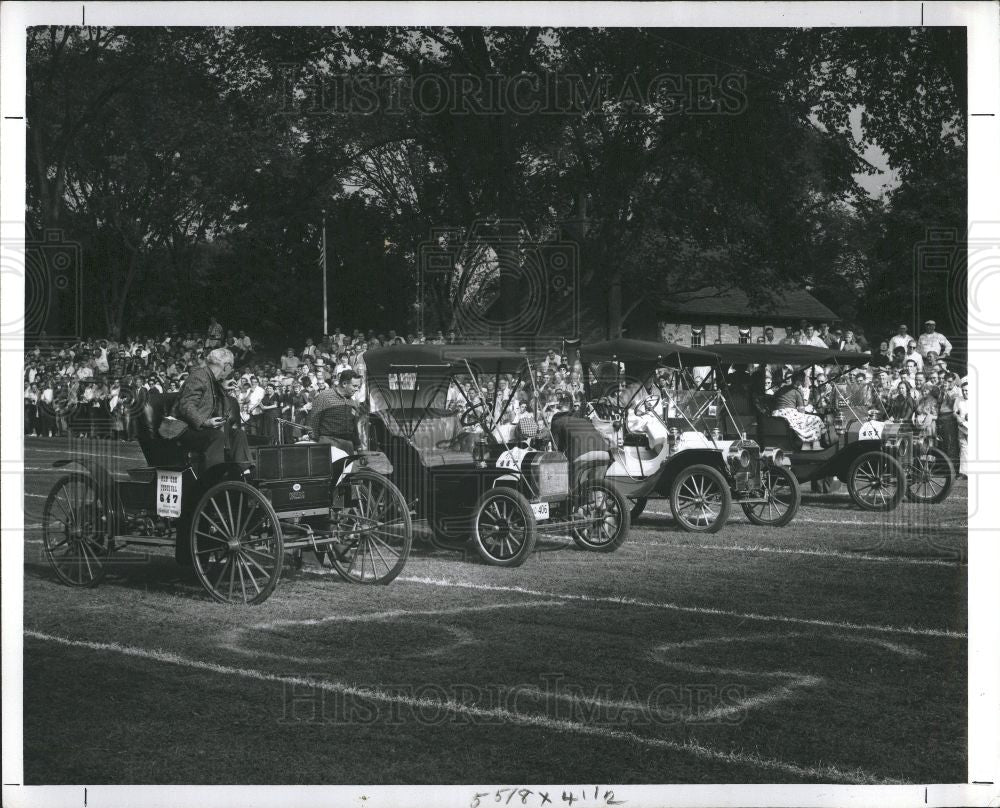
644	403
242	518
879	460
440	414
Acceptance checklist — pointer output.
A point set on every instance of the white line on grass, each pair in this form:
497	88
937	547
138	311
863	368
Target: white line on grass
810	521
651	604
824	773
760	548
232	639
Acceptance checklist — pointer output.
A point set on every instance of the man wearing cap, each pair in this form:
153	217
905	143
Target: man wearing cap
931	340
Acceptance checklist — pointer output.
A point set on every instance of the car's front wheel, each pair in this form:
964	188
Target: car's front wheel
700	499
504	529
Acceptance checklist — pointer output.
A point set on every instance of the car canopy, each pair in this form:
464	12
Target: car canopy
646	352
413	381
796	355
441	360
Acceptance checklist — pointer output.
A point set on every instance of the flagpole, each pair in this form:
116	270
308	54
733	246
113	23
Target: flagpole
326	329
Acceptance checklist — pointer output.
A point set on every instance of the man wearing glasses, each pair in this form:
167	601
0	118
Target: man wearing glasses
203	404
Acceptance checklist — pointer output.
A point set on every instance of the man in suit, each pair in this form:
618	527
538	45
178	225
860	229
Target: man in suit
203	406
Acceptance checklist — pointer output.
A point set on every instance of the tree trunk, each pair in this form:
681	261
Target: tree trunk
615	306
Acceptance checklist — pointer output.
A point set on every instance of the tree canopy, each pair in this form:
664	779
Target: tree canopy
195	166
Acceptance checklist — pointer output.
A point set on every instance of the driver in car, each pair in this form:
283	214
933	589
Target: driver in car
641	418
334	416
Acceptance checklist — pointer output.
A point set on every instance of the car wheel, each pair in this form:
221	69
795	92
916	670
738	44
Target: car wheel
876	481
700	499
76	524
504	529
929	477
783	499
605	513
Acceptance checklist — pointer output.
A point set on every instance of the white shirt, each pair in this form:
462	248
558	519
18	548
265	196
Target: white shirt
933	342
815	341
899	341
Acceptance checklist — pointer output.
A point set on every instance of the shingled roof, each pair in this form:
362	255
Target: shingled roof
791	303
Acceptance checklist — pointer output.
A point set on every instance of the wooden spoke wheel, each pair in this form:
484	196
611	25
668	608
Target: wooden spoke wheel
374	533
76	525
604	512
700	499
504	529
783	499
876	481
236	543
929	476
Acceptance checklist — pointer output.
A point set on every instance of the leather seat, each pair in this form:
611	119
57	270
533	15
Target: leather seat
159	453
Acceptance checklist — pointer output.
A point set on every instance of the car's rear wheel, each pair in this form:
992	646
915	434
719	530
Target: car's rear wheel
783	498
700	499
504	529
929	477
605	513
76	525
876	481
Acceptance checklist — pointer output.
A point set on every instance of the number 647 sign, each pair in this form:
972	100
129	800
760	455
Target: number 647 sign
168	493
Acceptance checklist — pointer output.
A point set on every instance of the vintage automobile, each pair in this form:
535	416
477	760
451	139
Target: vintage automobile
241	520
439	413
644	403
879	460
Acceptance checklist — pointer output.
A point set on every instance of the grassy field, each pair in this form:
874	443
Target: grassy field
832	650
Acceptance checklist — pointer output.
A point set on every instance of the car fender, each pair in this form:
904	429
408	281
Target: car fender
677	463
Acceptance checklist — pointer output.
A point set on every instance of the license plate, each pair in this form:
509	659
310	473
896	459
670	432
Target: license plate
540	509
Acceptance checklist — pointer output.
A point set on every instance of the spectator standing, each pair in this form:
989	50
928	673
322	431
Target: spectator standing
214	334
901	339
947	422
811	338
962	420
931	340
290	362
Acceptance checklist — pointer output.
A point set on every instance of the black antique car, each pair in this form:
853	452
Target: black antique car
880	460
440	414
241	520
665	438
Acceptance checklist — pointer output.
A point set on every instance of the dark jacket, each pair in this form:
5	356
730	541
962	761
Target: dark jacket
201	398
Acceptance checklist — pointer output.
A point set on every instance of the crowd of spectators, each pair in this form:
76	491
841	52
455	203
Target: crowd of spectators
90	388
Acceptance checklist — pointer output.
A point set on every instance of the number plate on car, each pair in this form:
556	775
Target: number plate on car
540	509
168	493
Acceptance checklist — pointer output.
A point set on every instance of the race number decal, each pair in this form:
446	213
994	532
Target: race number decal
168	493
511	459
870	431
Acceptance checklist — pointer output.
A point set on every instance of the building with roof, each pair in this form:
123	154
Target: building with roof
729	316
